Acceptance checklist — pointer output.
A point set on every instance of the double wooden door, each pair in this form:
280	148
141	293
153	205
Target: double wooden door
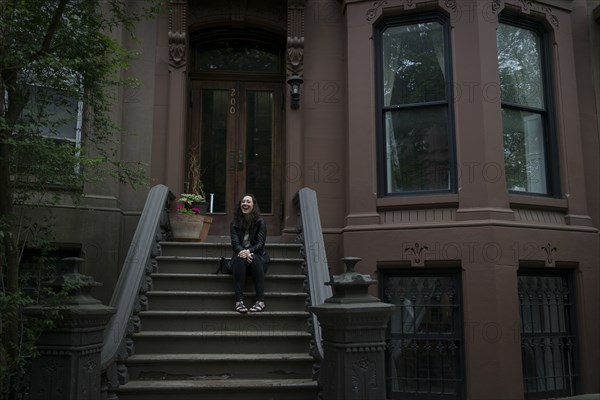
236	127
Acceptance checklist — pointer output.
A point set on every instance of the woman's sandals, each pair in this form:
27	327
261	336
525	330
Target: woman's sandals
258	306
240	307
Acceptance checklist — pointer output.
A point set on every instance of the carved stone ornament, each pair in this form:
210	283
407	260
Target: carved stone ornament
550	251
372	12
496	6
177	45
177	33
527	7
450	5
364	378
295	37
416	253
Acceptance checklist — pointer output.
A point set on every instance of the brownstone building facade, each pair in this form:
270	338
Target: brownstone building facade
453	146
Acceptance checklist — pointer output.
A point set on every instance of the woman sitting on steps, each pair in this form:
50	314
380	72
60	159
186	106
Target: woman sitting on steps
248	236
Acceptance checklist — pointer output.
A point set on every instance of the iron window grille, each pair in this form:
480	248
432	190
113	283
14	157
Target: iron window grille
424	356
548	338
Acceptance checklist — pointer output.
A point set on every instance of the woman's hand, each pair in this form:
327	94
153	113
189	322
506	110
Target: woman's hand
247	255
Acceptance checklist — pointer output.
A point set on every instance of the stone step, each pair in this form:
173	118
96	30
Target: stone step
208	265
220	366
221	283
207	249
221	301
220	389
210	321
193	345
239	342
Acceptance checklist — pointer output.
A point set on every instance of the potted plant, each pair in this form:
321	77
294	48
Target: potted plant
189	202
190	222
196	197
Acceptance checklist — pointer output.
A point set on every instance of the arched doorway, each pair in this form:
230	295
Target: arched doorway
235	120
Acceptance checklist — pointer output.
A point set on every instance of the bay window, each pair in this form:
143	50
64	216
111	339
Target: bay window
526	117
415	107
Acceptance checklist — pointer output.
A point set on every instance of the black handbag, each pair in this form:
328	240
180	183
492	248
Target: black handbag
224	266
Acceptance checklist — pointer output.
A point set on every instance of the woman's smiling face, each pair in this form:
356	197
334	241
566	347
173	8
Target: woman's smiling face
247	204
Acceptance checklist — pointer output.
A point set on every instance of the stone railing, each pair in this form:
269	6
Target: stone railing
129	296
315	266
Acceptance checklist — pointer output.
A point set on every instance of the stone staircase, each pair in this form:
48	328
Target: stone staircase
192	345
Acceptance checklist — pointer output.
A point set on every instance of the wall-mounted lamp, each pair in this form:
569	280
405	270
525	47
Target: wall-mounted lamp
295	81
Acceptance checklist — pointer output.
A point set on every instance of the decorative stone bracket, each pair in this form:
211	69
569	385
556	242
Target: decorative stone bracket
295	37
177	33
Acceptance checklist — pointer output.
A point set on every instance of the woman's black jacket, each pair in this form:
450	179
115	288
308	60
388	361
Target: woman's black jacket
257	237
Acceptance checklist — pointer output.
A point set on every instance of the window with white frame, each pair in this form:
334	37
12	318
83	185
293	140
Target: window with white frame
62	114
50	127
526	119
415	124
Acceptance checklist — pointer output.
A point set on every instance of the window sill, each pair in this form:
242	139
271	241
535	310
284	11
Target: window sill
541	203
420	201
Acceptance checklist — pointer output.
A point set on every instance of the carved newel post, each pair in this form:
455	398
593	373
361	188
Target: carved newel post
353	327
68	365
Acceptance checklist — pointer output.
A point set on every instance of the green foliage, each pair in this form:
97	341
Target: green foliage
35	272
61	65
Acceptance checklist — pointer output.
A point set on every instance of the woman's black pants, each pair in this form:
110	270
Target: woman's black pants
240	269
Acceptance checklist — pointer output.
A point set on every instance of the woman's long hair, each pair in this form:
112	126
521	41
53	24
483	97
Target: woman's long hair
246	222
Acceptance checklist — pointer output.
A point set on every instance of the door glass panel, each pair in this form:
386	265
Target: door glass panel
259	145
214	145
238	55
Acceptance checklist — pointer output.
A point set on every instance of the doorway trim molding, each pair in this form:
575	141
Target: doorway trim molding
176	117
178	64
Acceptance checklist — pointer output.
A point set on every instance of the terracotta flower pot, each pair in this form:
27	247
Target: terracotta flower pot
186	227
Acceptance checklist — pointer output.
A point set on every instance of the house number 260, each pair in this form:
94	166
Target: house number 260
232	101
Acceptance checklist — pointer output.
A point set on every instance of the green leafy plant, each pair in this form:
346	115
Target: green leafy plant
54	55
187	201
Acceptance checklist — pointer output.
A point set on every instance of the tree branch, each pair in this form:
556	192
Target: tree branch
58	13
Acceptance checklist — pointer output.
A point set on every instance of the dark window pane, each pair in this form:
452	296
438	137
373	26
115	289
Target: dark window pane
259	139
413	63
238	55
519	63
417	150
524	151
56	113
524	115
215	107
415	142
